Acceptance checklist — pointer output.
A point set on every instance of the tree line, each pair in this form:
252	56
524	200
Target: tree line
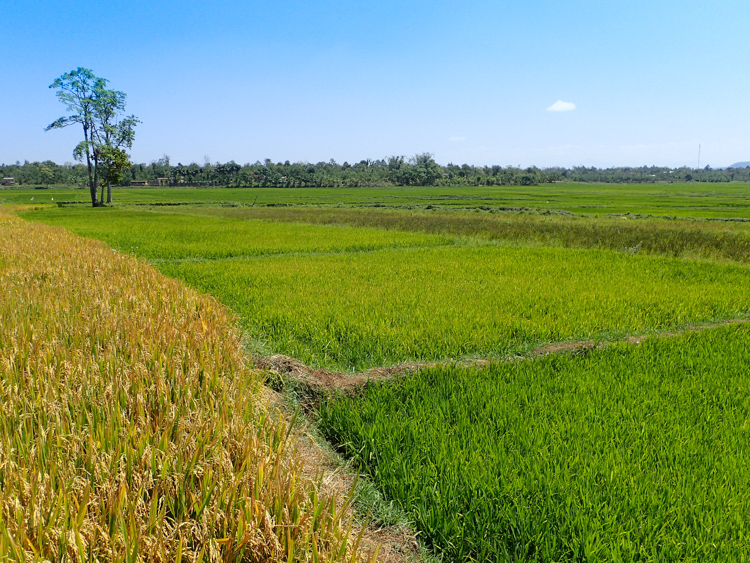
420	170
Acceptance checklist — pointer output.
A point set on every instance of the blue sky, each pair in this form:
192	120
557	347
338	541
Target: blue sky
470	82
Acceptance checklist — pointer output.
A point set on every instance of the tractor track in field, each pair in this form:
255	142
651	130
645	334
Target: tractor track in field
320	383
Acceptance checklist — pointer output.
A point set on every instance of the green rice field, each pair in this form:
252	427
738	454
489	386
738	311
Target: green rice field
727	200
626	454
352	298
620	453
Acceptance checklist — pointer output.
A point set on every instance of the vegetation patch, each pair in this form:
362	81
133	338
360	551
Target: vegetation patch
627	453
676	237
686	199
354	312
180	236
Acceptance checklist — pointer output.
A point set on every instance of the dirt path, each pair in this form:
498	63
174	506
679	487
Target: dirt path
320	382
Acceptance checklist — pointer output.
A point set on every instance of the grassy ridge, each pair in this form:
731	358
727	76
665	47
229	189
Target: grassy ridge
131	428
627	454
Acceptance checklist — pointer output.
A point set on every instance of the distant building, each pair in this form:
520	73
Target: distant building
8	181
163	181
139	183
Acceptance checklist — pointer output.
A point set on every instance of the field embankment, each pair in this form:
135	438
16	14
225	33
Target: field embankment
132	428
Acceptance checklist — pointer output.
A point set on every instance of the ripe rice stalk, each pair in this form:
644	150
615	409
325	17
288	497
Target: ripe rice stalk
131	426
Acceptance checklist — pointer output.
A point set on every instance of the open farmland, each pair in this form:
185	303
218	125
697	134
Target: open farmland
357	311
623	453
713	239
355	298
725	200
179	236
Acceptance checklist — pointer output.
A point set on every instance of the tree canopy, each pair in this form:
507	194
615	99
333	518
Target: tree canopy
107	131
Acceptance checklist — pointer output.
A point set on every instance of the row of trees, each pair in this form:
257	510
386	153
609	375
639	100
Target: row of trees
420	170
107	132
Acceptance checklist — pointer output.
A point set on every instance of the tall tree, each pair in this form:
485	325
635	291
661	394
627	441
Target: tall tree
75	89
105	131
113	133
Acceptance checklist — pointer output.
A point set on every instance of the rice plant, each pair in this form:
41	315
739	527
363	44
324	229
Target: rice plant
356	311
132	428
624	454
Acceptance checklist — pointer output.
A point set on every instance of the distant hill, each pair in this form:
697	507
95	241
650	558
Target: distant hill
739	165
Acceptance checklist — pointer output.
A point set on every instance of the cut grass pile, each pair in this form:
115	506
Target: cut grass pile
131	428
626	454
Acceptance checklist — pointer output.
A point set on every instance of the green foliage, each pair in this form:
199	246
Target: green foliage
105	130
420	170
627	454
114	162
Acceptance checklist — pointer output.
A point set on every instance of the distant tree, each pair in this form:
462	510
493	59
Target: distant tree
76	91
48	176
114	162
113	133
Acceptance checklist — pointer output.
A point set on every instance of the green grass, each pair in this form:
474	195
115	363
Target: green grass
718	240
170	236
355	311
627	454
680	199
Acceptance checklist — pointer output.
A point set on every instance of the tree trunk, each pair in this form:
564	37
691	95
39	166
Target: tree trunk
96	178
109	193
92	182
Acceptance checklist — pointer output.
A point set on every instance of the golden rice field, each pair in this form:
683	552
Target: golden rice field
131	426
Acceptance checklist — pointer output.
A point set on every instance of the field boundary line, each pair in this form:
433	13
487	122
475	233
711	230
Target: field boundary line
317	384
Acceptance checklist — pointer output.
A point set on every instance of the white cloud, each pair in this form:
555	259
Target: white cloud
456	138
559	105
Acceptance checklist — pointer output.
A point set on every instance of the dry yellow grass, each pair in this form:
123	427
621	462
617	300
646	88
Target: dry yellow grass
131	427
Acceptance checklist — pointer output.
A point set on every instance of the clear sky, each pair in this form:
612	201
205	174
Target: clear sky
639	82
